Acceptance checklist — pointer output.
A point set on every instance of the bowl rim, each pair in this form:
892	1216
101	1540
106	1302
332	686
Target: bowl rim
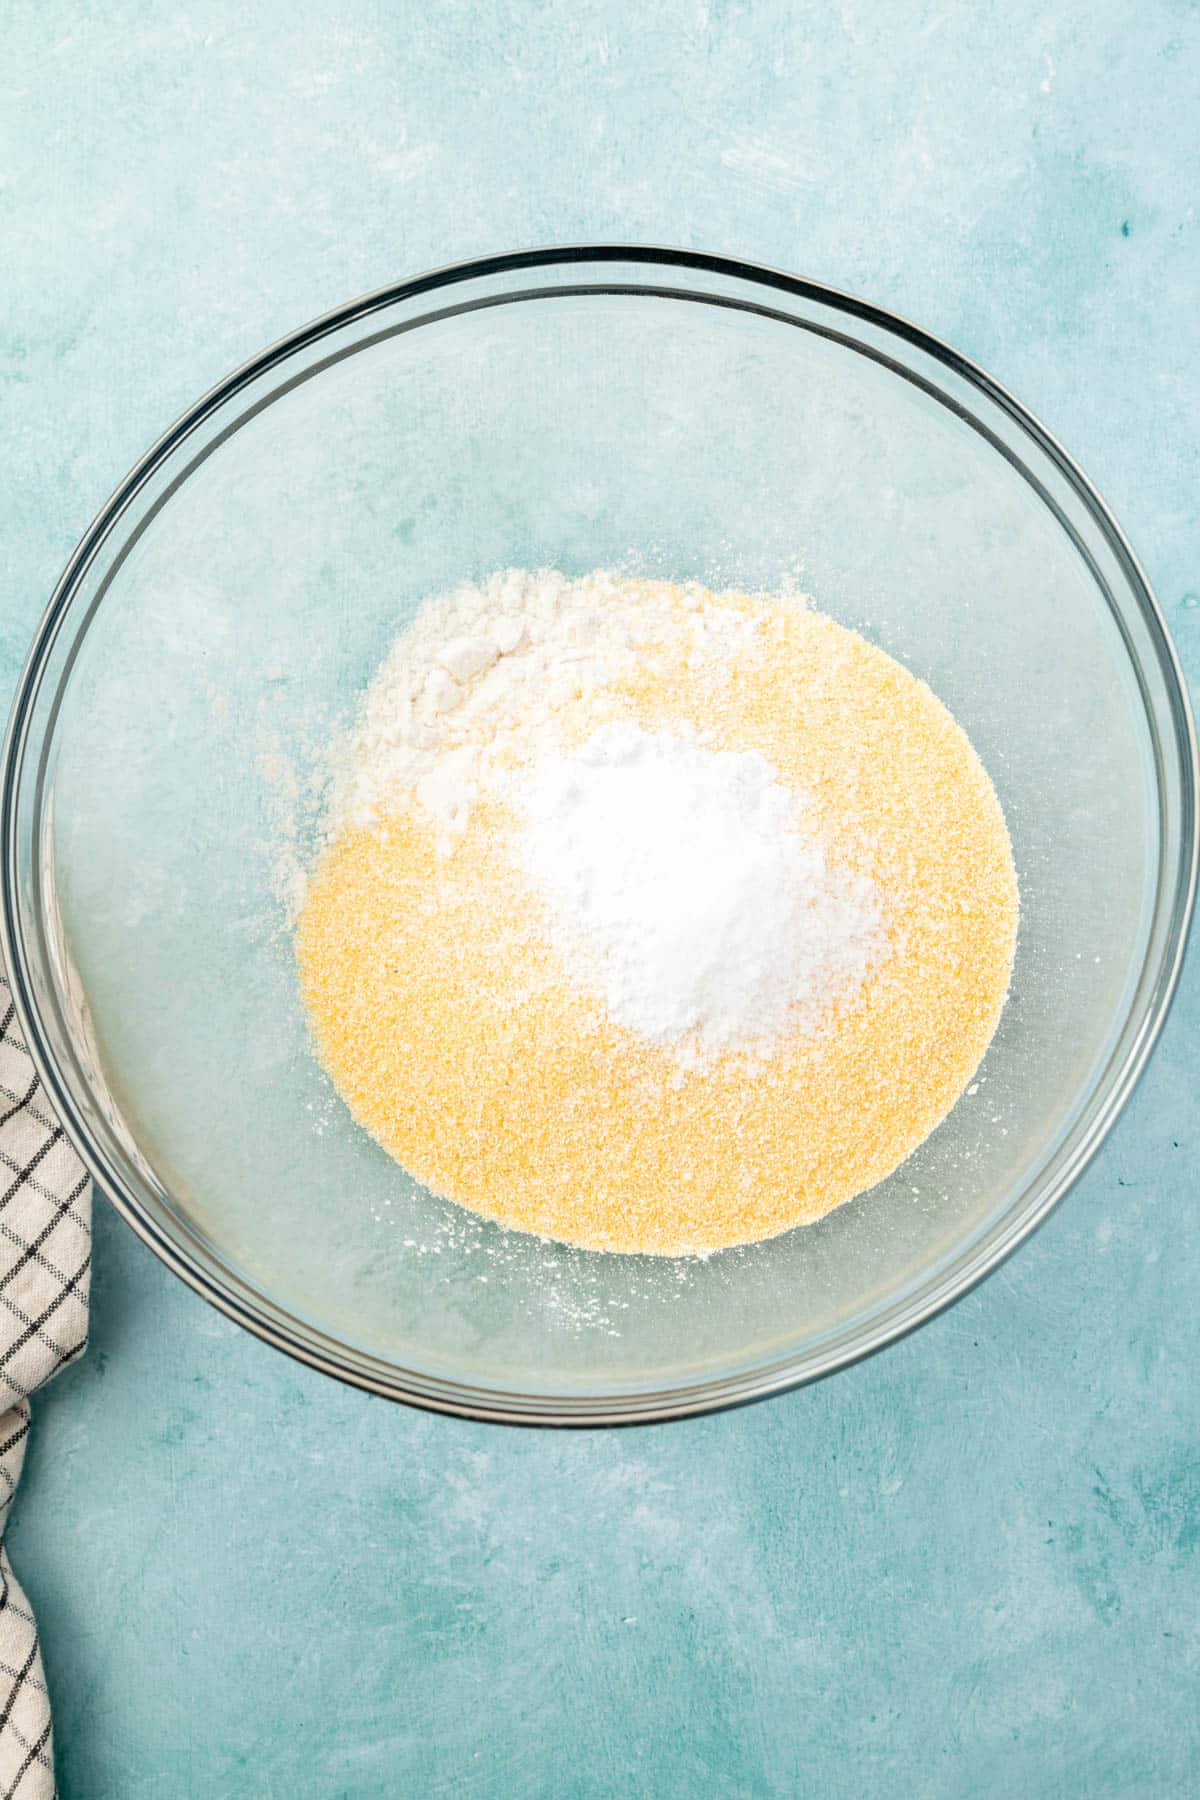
305	1342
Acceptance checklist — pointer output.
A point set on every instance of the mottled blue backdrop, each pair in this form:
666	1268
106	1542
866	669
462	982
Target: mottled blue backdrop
968	1568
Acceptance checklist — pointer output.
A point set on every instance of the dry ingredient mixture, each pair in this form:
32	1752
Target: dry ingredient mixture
653	919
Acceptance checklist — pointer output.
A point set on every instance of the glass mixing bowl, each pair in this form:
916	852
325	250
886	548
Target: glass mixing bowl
675	415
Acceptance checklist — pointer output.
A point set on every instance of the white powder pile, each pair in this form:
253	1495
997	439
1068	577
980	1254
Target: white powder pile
677	881
679	886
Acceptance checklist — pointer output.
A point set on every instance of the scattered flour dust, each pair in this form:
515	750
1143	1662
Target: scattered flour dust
652	919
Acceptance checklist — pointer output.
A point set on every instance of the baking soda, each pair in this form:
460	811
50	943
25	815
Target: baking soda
681	884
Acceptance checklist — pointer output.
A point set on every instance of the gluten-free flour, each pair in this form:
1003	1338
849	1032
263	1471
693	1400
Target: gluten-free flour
653	919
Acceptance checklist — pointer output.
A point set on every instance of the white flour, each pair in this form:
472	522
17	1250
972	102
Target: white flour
679	883
481	668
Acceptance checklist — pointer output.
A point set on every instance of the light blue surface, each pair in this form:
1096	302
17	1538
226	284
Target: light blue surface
966	1568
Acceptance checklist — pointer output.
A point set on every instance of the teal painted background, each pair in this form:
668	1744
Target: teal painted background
968	1568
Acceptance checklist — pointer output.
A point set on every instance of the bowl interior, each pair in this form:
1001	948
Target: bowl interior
243	600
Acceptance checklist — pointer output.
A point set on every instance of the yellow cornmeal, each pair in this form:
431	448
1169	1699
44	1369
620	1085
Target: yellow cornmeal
457	1041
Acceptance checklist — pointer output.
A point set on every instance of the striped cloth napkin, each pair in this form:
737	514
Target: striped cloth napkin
45	1268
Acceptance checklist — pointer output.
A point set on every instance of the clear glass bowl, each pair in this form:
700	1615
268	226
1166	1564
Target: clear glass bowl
676	415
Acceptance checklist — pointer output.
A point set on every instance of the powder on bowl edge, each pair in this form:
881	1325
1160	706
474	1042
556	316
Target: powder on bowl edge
665	921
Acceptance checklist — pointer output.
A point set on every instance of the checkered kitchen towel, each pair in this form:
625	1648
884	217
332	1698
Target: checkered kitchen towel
45	1267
